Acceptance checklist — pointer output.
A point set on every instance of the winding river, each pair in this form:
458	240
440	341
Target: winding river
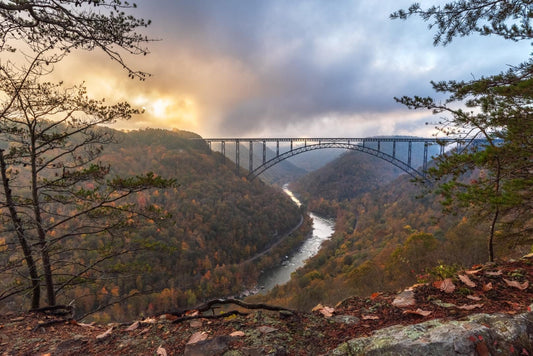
322	231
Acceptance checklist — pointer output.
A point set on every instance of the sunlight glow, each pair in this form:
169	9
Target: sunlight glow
168	111
159	108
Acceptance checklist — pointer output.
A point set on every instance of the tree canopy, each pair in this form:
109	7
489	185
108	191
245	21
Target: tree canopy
509	19
54	187
491	118
74	24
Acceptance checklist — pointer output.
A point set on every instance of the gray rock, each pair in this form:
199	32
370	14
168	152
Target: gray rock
346	319
499	334
266	329
210	347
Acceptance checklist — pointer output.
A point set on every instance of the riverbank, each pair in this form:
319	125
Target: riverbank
279	241
322	231
279	260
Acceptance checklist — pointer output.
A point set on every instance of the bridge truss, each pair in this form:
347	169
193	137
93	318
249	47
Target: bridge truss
275	150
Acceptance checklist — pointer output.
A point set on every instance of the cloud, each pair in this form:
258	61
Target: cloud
277	68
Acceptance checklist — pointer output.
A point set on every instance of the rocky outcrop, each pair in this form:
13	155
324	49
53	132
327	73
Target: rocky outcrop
479	334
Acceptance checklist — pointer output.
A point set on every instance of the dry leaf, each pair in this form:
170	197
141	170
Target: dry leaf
370	317
446	285
133	326
482	349
149	321
375	295
418	312
467	281
404	299
197	337
237	334
90	325
473	297
476	271
324	310
196	324
517	284
170	317
487	287
145	330
327	311
470	307
497	273
104	335
317	307
161	351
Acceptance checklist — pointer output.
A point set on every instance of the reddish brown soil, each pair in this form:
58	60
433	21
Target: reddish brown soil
295	333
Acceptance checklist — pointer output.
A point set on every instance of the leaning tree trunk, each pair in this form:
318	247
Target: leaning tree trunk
19	230
496	212
491	236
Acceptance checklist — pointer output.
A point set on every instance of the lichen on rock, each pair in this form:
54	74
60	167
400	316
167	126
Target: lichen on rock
495	334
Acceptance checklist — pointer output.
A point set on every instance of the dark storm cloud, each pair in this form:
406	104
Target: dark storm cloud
259	66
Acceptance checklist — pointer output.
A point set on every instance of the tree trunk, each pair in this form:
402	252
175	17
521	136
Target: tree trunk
497	181
32	267
491	235
43	244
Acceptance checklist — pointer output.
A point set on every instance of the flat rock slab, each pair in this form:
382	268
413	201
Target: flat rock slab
480	334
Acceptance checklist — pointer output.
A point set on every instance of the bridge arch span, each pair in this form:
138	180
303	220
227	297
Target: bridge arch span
344	145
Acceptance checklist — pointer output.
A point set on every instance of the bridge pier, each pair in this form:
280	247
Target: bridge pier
425	167
251	158
237	156
409	149
264	151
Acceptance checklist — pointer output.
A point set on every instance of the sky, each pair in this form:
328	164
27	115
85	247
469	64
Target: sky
257	68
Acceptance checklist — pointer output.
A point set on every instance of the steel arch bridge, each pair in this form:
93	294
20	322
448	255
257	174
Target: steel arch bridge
385	148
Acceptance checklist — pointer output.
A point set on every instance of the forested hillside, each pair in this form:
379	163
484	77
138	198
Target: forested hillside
388	236
217	221
348	176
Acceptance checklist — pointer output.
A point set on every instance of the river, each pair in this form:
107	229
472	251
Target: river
322	231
